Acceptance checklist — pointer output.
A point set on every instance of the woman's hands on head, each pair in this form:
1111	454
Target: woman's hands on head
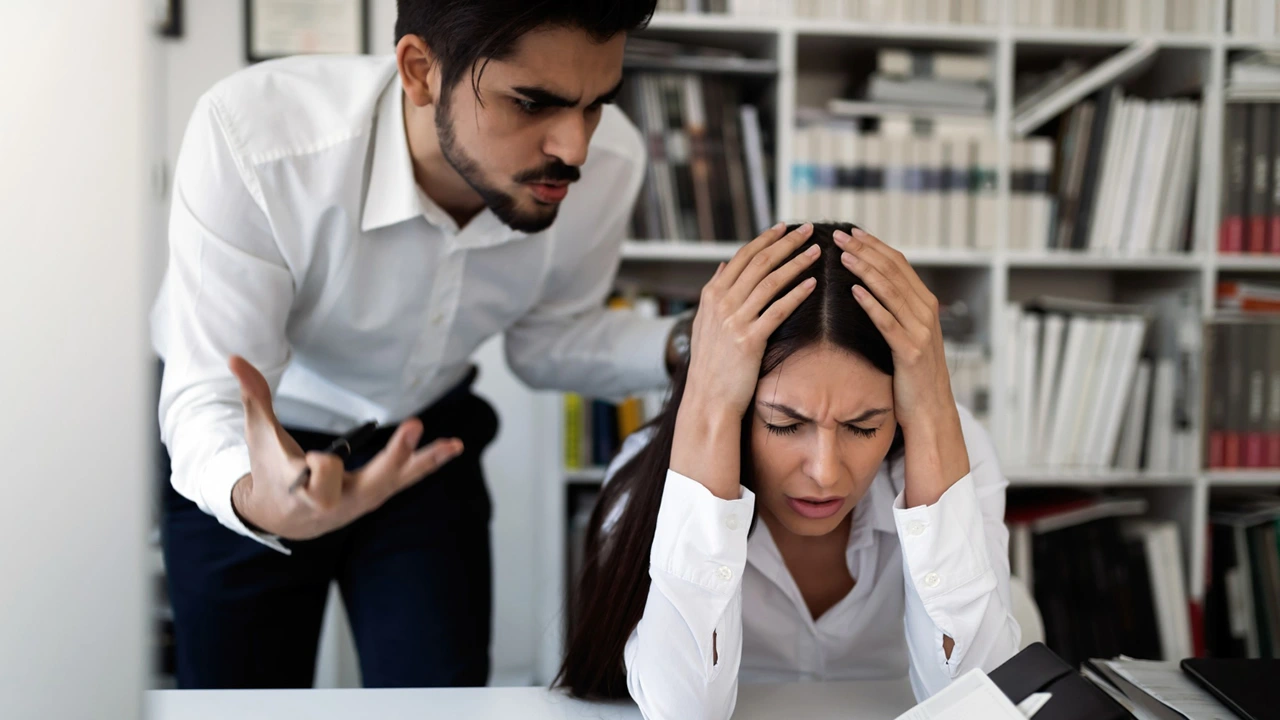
907	314
736	315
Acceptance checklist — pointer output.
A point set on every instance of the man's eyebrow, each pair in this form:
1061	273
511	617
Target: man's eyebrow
798	416
543	96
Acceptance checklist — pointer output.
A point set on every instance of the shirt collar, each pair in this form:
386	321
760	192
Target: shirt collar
393	195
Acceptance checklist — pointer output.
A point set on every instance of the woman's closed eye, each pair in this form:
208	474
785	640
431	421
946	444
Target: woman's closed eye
795	428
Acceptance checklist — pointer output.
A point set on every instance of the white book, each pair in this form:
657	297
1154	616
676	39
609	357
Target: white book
1242	20
872	200
1052	342
1168	583
1156	16
1018	225
909	224
956	199
1128	61
1101	395
663	173
1020	562
1117	147
1080	340
1023	13
1028	350
1159	450
1090	14
1147	180
985	197
971	11
1010	448
1101	333
1129	454
1168	199
754	151
1103	449
1138	148
895	199
1112	17
1265	18
1132	14
1040	206
929	222
825	158
847	200
804	190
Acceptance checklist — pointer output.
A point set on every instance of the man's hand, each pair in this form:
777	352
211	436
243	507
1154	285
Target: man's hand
333	497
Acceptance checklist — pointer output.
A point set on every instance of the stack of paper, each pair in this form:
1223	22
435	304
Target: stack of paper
1154	690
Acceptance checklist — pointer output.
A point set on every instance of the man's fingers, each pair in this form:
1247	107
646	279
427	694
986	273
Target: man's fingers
324	489
255	393
429	459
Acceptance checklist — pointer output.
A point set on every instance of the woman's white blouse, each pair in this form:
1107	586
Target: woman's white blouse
921	573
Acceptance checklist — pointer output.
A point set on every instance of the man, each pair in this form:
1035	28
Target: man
344	233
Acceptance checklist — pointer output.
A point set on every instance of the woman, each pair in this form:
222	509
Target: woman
811	504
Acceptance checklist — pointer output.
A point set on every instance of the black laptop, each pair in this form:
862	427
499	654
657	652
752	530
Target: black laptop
1249	688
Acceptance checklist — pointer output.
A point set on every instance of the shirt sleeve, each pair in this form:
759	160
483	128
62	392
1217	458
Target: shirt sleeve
568	341
956	570
227	291
682	659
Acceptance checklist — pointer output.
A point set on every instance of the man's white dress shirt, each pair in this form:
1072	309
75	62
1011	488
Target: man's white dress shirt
920	573
299	239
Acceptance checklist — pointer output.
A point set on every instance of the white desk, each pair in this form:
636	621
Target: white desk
879	700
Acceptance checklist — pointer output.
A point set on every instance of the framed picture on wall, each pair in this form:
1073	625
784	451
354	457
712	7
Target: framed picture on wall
276	28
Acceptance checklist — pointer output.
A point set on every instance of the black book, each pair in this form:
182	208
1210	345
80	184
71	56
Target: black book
1107	102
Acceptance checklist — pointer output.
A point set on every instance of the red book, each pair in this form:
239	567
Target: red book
1231	452
1218	449
1255	450
1237	179
1259	177
1273	451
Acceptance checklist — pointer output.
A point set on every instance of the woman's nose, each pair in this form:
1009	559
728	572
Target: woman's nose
823	465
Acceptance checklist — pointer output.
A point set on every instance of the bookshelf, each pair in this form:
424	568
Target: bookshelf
984	280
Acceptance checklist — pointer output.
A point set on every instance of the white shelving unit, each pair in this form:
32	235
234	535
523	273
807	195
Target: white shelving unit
1001	275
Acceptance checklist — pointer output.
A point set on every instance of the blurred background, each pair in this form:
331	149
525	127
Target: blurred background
1092	188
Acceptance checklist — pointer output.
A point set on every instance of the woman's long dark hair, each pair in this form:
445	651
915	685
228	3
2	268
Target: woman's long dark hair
614	582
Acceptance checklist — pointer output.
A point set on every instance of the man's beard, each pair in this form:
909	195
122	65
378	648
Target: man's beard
504	205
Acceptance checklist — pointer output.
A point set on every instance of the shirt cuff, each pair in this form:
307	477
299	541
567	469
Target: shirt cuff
220	475
701	538
943	544
646	356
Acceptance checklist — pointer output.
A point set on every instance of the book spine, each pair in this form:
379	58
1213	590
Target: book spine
1256	384
1234	186
1273	233
1260	198
1272	459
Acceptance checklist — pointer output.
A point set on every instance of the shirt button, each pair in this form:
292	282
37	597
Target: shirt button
438	318
725	573
932	580
915	528
731	522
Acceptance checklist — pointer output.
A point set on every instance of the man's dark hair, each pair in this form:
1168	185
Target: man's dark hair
467	34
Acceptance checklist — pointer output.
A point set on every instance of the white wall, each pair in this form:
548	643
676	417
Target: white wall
73	371
211	48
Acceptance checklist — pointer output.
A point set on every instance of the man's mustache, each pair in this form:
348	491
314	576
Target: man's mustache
555	171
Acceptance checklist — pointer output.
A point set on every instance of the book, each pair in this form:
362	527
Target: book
1128	61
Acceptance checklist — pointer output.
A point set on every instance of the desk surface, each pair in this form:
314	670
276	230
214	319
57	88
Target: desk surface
877	700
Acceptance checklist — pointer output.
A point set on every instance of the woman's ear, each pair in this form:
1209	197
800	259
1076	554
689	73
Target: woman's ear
419	71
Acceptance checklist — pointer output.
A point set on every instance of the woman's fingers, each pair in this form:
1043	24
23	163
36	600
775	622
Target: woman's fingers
768	288
765	262
782	308
893	296
726	277
892	263
885	322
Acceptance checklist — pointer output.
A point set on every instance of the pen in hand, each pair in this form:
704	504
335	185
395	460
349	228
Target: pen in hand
343	446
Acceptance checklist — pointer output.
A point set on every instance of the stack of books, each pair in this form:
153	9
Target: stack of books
1243	398
912	159
1250	199
708	163
1095	386
1242	602
1253	18
929	12
1106	581
1138	16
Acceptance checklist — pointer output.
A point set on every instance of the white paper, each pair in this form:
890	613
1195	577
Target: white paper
971	695
1166	682
1032	704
